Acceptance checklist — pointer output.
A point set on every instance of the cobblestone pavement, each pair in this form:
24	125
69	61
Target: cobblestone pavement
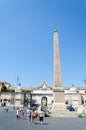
8	121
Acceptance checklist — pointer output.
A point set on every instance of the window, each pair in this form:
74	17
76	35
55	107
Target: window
8	100
5	99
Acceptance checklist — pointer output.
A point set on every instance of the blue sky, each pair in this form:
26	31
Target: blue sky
26	41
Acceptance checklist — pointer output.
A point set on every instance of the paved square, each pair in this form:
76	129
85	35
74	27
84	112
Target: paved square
8	121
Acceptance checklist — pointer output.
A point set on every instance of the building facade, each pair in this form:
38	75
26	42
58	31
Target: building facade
42	95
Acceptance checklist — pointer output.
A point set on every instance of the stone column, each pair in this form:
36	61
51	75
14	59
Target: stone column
58	90
57	68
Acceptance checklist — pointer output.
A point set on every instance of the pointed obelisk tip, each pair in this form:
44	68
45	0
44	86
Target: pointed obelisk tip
55	30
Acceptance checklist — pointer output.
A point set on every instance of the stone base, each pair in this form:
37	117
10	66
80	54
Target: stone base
66	114
18	97
59	107
58	95
59	110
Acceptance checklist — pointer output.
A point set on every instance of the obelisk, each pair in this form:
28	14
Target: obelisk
57	67
58	91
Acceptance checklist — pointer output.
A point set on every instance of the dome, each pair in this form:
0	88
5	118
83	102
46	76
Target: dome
72	90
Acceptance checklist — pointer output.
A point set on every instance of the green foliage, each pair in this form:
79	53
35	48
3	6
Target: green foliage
7	90
25	90
3	89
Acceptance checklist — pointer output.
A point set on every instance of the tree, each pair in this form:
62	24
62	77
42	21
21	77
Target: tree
4	88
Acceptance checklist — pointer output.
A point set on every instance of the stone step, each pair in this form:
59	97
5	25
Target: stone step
59	110
64	114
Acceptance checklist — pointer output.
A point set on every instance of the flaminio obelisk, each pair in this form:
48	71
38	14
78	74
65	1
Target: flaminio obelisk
58	91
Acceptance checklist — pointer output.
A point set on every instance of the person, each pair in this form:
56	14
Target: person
33	116
17	113
29	113
41	114
7	109
22	113
14	108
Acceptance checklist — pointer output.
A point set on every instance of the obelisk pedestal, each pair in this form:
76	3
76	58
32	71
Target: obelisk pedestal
58	95
59	106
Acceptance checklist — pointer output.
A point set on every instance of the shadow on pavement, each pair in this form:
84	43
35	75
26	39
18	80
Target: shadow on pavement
37	123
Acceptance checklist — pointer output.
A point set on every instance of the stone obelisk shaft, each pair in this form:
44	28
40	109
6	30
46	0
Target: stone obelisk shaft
58	92
57	67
